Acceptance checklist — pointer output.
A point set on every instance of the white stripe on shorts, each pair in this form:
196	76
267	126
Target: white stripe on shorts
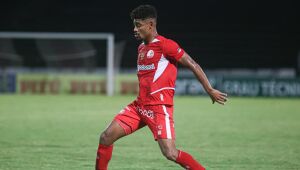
167	119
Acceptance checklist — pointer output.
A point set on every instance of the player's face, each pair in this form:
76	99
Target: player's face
142	28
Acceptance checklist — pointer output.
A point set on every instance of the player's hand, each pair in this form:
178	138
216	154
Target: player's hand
217	96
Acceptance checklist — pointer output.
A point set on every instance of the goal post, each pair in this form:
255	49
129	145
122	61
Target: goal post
110	45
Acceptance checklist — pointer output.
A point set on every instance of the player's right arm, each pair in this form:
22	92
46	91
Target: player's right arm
215	95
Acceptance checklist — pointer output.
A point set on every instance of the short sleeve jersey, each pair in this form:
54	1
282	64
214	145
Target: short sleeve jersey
157	71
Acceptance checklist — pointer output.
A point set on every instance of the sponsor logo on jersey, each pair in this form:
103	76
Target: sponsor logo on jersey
145	67
150	54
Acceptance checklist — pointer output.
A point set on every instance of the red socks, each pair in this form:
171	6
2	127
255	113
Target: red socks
188	162
103	156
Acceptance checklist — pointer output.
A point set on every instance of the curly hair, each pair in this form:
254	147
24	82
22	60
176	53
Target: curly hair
143	12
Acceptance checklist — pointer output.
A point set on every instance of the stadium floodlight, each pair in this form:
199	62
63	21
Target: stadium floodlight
109	37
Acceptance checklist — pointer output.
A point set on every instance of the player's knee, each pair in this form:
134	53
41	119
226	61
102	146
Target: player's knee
171	154
105	138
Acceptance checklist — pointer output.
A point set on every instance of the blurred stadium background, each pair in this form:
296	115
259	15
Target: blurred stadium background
60	60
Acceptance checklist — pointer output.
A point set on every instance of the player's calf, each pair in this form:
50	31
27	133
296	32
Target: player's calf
182	158
104	153
112	133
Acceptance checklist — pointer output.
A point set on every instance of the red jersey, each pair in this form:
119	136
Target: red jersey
157	71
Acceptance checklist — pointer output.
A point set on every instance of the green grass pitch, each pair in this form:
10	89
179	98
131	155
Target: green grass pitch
61	133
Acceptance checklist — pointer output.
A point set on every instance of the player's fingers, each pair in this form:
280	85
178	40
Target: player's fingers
220	102
223	98
220	98
224	94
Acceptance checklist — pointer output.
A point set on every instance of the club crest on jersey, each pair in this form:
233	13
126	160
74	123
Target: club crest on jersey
150	54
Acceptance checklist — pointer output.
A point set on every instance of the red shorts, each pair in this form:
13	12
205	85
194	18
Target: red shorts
159	118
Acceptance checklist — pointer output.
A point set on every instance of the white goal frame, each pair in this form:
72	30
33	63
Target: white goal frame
76	35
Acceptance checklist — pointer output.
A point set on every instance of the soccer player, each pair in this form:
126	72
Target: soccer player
156	70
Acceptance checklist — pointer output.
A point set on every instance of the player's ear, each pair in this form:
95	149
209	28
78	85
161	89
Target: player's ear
151	23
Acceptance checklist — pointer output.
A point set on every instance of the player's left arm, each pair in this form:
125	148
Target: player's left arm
215	95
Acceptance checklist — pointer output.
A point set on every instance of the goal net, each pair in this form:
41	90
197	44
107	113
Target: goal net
88	51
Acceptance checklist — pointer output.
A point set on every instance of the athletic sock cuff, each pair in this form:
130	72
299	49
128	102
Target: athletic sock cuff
105	146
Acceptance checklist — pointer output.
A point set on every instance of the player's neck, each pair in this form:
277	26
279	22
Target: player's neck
151	37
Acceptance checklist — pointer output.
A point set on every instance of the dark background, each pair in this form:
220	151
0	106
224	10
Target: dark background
217	33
